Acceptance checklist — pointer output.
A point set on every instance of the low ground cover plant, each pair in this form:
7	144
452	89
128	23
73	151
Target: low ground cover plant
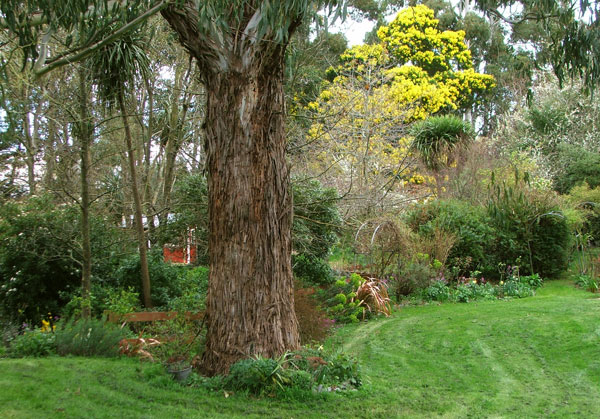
472	288
292	375
588	283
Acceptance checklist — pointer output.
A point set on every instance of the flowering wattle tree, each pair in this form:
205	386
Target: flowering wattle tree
379	90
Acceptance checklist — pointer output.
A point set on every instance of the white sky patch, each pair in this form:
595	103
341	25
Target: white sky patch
354	31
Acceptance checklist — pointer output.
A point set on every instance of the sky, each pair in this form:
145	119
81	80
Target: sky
353	30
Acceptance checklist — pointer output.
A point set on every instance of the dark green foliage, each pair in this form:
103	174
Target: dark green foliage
414	275
576	166
317	221
88	337
530	229
470	289
40	257
257	376
438	291
299	371
469	223
37	251
588	283
33	343
165	277
521	226
116	65
190	208
341	302
312	270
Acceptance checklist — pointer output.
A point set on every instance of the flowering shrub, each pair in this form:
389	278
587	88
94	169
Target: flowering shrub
34	343
470	289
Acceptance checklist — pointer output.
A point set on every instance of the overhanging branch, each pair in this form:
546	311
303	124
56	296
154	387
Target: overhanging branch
92	48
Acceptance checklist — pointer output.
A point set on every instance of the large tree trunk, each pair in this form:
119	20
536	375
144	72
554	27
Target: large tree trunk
250	308
250	303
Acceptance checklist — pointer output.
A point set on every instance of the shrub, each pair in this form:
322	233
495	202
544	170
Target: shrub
180	337
165	277
576	166
301	371
587	203
123	301
35	241
317	221
257	375
312	270
438	291
414	276
470	226
33	343
88	337
472	289
529	227
192	288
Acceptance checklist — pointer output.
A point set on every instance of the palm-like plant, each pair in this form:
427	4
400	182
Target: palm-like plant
115	68
437	137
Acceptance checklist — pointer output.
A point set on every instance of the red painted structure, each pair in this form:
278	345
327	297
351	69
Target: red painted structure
184	254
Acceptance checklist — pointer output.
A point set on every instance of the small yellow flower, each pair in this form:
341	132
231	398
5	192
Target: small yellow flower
501	282
474	281
45	326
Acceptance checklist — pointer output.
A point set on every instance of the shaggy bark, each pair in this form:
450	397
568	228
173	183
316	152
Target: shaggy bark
250	306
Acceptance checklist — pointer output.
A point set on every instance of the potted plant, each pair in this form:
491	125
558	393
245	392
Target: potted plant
179	366
177	339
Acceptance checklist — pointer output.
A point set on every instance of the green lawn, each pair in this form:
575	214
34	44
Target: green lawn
535	357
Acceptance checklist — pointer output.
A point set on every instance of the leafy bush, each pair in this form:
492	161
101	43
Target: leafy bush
123	301
470	225
180	339
35	240
576	166
312	270
438	291
586	201
472	289
33	343
192	288
414	275
301	371
257	376
530	228
166	278
38	241
317	221
88	337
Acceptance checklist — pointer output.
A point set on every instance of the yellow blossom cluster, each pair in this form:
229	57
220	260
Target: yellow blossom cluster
416	71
